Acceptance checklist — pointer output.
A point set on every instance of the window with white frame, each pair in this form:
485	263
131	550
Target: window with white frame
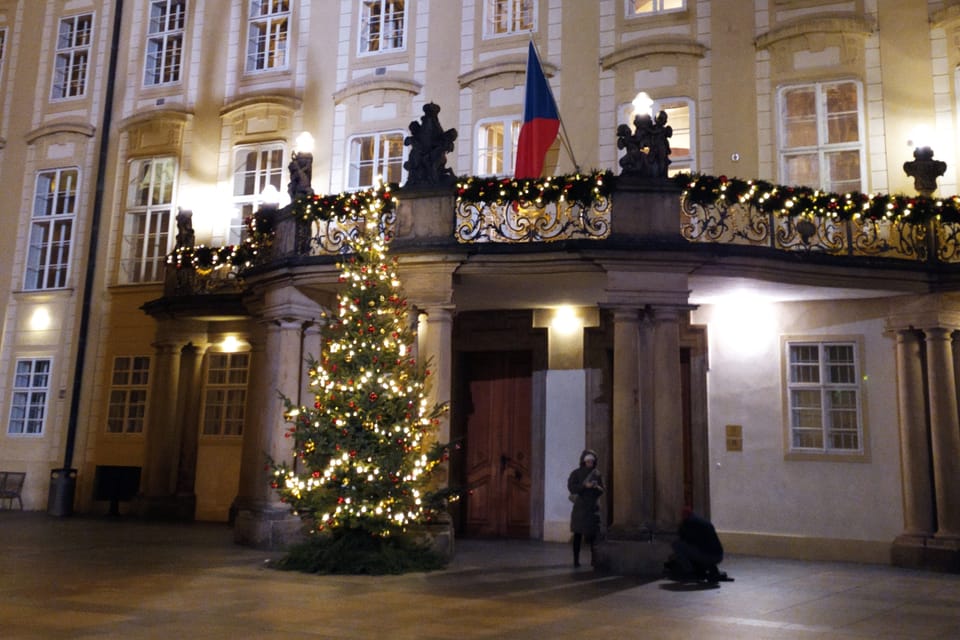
823	395
382	25
51	229
681	119
127	409
650	7
504	17
377	155
31	388
821	136
496	146
148	220
256	167
73	57
225	394
165	42
268	33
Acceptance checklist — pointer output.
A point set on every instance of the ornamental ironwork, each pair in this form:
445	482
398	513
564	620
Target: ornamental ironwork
510	222
332	237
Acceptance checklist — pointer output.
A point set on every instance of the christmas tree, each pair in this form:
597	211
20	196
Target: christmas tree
365	450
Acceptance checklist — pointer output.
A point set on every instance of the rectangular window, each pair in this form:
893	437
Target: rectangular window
821	141
823	392
28	406
73	57
54	210
225	395
165	41
256	169
382	25
377	155
128	394
503	17
649	7
497	146
148	220
267	39
681	119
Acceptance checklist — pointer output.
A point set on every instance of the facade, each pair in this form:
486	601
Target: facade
801	395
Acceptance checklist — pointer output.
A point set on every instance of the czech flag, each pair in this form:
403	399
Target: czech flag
541	121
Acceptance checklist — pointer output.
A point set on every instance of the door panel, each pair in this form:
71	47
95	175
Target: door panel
498	444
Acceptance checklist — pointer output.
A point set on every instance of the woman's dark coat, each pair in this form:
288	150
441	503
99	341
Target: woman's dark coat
585	517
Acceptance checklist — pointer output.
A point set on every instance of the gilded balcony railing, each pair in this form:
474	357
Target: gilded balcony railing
513	223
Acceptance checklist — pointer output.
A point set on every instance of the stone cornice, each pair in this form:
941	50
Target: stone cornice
172	114
386	82
943	17
505	65
281	100
846	23
649	47
75	126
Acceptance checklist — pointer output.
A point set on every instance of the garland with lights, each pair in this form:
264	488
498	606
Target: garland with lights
343	206
366	450
704	190
581	189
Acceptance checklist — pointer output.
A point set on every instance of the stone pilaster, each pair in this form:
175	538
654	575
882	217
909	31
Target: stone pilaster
944	431
626	447
667	424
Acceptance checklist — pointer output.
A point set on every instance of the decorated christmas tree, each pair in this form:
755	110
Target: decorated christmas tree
365	450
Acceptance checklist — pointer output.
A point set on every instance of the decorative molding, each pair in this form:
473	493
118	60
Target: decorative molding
942	18
502	66
259	100
166	116
845	24
75	127
386	82
651	47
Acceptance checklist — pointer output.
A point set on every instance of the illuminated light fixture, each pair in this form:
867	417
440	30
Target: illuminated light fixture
642	104
270	195
565	320
303	143
40	319
231	344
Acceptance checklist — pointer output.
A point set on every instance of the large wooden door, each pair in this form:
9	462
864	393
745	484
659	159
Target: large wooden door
498	444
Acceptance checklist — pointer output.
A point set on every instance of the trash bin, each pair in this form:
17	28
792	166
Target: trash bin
63	484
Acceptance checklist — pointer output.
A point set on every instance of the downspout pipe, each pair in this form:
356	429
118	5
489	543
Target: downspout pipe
63	481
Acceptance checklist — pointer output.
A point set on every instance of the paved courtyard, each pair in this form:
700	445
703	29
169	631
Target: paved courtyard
84	577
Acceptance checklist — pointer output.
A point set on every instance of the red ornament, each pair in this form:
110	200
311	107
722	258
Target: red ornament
373	397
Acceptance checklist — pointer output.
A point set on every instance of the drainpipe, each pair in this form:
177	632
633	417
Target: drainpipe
63	481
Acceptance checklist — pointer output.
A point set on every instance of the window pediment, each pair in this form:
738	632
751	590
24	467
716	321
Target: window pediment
503	66
846	23
74	127
646	48
384	82
155	131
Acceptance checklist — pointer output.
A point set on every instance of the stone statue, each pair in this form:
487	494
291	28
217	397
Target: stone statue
647	146
185	236
301	174
429	145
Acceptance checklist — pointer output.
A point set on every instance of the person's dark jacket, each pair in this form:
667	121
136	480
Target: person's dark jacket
585	517
700	533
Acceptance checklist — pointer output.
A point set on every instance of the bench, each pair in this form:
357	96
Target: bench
11	484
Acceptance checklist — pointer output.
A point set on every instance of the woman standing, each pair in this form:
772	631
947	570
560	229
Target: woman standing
585	485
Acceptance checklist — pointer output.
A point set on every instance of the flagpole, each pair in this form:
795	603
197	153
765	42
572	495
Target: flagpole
563	127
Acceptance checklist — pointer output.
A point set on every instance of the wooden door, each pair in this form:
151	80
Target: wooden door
498	444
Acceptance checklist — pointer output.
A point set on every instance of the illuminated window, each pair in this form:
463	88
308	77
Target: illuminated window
128	394
51	231
382	25
73	57
225	394
503	17
267	36
28	406
681	119
821	137
148	221
823	394
165	41
497	146
649	7
255	168
378	154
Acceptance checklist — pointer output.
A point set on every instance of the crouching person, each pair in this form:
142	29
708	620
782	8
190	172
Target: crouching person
697	550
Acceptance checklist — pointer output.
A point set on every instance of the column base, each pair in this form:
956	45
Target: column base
267	528
439	536
632	557
926	552
178	508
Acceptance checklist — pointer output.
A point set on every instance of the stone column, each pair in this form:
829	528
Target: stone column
667	418
163	428
944	431
189	408
626	447
276	370
437	345
914	437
